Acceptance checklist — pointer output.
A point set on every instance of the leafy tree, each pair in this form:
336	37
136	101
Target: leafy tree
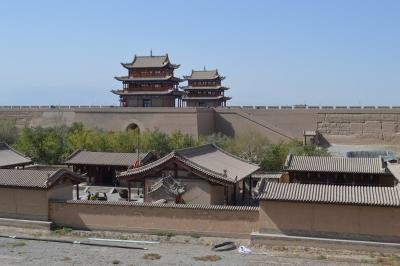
276	155
8	131
53	145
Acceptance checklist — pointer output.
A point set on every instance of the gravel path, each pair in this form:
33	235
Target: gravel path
173	250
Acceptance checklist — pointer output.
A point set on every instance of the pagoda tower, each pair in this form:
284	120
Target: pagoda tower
204	89
150	83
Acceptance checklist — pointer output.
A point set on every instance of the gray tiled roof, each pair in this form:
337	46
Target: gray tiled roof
167	92
207	159
148	79
149	62
394	169
317	193
270	175
205	88
204	75
217	97
163	205
34	178
334	164
106	158
10	157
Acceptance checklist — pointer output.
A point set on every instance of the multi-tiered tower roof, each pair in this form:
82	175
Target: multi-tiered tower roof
150	83
204	89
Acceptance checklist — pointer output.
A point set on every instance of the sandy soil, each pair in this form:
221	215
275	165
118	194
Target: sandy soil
173	250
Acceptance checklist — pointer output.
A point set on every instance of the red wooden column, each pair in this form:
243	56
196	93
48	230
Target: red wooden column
129	190
77	191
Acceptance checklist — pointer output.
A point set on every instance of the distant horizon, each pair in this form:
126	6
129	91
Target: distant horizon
273	53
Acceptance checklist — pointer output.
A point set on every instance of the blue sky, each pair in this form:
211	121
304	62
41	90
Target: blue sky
343	52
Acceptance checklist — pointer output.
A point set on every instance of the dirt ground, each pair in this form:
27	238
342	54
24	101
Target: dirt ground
172	250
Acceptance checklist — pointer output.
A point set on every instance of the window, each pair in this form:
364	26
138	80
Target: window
146	103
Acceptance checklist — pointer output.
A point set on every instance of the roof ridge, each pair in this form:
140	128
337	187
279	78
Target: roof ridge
193	147
218	148
233	155
217	175
339	157
149	165
74	153
14	150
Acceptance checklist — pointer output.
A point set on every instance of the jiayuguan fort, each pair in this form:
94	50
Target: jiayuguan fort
151	83
205	189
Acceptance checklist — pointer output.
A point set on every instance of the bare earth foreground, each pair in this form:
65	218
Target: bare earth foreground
173	250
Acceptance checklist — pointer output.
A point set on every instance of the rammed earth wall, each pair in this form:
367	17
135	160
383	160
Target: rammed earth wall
276	123
142	217
375	223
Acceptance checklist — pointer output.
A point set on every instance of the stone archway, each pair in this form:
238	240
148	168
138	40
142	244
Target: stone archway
133	126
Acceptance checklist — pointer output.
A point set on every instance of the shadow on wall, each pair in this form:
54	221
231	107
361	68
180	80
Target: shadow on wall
223	126
323	142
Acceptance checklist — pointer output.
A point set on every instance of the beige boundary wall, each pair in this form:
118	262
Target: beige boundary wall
330	220
22	203
230	221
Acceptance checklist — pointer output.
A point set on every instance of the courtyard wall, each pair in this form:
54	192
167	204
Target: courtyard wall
231	221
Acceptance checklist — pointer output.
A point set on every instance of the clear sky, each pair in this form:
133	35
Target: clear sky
342	52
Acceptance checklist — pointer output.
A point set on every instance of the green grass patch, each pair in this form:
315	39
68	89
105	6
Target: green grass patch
167	234
63	231
152	256
13	244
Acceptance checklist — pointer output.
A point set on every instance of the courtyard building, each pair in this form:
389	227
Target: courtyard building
150	83
204	89
24	194
339	171
100	168
200	175
331	211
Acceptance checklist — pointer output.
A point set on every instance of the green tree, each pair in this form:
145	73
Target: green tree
276	154
8	131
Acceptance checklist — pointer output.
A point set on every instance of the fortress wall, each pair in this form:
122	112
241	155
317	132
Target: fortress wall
293	121
205	121
166	120
374	123
234	122
116	119
277	123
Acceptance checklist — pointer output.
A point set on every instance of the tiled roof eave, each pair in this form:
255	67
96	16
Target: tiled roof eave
16	164
261	197
217	177
332	194
383	172
148	79
127	93
132	66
